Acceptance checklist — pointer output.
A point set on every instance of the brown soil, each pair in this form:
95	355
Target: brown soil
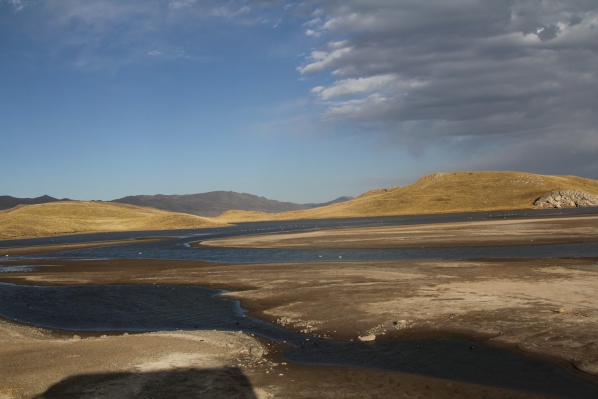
35	363
543	307
483	233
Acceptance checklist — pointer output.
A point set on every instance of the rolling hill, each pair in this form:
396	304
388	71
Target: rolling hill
7	202
217	202
440	193
82	217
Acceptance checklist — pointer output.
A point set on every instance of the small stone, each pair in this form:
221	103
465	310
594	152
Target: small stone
366	338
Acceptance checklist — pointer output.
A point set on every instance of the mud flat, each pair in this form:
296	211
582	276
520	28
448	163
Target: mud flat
38	363
541	308
479	233
545	308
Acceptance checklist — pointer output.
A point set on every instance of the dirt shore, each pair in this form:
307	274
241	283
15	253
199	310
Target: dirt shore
546	308
36	363
483	233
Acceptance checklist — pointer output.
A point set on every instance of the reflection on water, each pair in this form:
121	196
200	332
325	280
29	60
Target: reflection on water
152	308
20	268
266	227
177	246
16	269
177	250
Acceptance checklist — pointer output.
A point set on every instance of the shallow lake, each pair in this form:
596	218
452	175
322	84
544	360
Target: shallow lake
153	308
164	308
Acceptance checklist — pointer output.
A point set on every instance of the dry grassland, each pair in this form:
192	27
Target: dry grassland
439	193
83	217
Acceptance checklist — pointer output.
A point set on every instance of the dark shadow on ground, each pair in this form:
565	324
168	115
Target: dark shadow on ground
221	383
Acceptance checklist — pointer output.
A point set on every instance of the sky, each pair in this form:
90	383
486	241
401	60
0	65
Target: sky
295	101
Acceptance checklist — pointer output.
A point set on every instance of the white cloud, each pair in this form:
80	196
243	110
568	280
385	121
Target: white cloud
176	4
323	60
17	5
310	32
229	12
349	87
155	53
109	34
313	22
367	109
354	21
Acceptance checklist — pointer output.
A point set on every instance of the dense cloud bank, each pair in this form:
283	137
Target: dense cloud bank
462	70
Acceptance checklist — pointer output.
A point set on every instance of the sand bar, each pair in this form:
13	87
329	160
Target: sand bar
478	233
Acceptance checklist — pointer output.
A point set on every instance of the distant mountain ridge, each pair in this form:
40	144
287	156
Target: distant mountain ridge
7	202
215	203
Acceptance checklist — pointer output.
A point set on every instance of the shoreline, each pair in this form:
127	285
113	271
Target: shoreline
52	248
536	308
181	364
238	291
486	233
276	352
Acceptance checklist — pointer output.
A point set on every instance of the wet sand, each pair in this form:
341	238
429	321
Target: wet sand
37	363
464	234
546	308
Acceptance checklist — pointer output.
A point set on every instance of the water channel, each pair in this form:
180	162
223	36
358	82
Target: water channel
163	308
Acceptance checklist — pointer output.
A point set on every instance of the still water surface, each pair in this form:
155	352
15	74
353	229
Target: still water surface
176	246
162	308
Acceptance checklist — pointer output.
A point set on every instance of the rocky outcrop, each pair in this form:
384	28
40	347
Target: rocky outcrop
566	199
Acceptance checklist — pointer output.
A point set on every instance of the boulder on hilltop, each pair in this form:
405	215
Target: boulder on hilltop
566	199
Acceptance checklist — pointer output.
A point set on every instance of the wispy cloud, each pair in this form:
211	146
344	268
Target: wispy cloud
17	5
111	33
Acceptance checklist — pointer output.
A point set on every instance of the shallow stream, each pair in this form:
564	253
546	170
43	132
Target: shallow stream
164	308
159	308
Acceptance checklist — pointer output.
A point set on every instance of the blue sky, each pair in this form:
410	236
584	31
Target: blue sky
294	101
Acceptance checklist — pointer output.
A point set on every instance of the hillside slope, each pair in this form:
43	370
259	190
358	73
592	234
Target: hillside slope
81	217
215	203
440	193
7	202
